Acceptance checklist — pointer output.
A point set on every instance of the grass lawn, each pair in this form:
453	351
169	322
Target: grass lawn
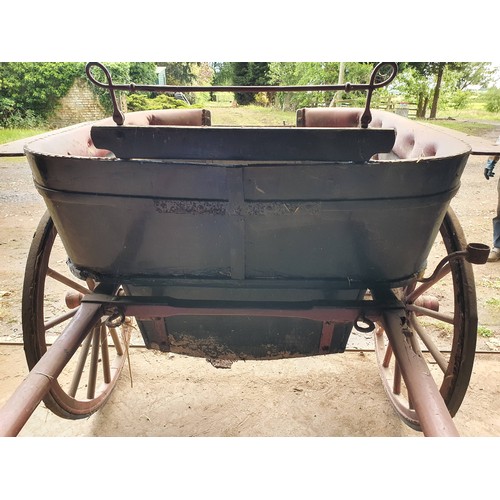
224	114
11	134
467	127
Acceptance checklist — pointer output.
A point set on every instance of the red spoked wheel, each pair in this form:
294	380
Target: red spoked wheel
443	315
50	299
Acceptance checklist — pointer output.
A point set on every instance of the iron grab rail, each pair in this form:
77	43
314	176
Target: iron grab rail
347	87
119	117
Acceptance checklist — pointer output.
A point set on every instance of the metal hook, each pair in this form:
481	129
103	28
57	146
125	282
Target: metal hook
116	318
118	116
366	118
475	253
363	320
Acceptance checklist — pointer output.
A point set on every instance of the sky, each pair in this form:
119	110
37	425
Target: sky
260	31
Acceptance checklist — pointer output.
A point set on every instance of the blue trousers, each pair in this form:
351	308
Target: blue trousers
496	221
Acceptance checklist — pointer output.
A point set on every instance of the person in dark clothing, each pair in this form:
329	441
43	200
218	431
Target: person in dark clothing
488	173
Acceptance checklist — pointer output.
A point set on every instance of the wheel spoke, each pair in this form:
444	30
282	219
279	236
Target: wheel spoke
82	358
116	341
428	342
106	369
410	402
425	311
387	357
396	384
418	291
59	319
94	361
67	281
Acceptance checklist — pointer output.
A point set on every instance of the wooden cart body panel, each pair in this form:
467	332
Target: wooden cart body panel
215	226
247	220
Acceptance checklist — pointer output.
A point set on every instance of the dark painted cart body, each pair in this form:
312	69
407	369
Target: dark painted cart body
272	229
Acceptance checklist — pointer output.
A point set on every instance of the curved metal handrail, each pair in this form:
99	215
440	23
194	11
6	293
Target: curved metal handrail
119	118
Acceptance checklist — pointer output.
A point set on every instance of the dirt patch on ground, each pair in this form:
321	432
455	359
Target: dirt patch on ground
173	395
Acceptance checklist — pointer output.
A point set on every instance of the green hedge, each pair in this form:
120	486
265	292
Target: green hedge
140	102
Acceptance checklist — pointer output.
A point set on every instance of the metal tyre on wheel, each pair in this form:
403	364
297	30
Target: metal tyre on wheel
443	315
88	379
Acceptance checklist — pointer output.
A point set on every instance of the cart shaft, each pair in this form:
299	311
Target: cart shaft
435	419
18	409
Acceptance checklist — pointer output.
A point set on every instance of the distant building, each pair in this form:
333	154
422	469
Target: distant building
160	73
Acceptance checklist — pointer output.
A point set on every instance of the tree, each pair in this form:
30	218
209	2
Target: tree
34	88
178	73
249	74
316	73
303	73
413	86
493	100
466	74
473	73
242	75
222	73
437	89
143	73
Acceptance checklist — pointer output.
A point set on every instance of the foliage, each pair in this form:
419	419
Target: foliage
187	73
317	73
493	302
450	95
140	102
203	75
440	79
492	99
222	73
471	73
248	74
120	74
292	73
178	73
460	99
413	86
143	73
31	90
484	332
7	111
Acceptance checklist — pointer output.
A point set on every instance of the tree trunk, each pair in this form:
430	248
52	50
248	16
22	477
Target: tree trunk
338	94
436	90
286	102
424	109
422	103
420	107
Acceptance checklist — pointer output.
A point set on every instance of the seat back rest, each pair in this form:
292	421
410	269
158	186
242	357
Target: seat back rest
416	140
329	117
176	117
179	117
413	140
